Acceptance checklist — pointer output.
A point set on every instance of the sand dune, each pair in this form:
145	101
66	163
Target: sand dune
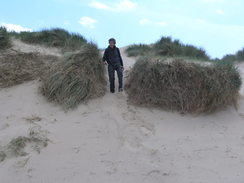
108	141
20	46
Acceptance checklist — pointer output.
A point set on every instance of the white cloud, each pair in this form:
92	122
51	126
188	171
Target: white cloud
162	23
200	21
14	27
122	6
66	23
125	5
99	5
220	11
87	22
144	21
213	1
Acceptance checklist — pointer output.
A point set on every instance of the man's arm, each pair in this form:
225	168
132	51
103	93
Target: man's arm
105	55
121	60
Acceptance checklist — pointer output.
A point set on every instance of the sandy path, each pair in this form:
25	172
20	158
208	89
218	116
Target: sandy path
108	141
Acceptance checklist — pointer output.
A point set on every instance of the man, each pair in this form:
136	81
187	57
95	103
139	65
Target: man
112	57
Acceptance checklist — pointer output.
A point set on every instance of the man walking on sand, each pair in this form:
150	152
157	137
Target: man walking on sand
113	58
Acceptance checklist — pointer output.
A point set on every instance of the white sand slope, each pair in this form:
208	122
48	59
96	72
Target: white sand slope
20	46
109	141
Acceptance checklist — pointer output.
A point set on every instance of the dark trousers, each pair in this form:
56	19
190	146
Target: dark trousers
111	70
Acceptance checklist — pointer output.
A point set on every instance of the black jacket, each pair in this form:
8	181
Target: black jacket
112	56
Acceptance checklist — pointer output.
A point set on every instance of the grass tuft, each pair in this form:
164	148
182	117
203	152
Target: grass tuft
36	140
183	86
80	76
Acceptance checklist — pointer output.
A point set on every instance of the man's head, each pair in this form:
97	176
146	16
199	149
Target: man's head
112	42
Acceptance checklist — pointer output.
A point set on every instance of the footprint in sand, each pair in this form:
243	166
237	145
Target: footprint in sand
4	126
76	149
136	129
21	163
85	113
145	131
33	118
135	133
153	172
11	116
121	95
241	115
111	167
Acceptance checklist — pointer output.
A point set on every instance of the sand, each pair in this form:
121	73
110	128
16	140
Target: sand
20	46
109	141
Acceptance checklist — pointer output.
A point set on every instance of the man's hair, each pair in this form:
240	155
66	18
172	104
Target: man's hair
112	39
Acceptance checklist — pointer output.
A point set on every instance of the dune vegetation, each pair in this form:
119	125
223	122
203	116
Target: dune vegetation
167	47
4	39
17	146
176	82
78	77
138	50
183	86
55	37
238	56
171	82
16	68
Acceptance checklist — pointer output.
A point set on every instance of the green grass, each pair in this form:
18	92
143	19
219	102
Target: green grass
138	50
167	47
4	39
237	57
55	37
183	86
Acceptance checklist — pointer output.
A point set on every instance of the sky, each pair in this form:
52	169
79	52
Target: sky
215	25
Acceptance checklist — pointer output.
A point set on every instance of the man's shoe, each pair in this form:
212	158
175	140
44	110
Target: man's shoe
120	89
111	91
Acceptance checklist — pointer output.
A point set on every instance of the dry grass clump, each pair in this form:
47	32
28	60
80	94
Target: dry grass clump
182	86
80	76
35	141
17	145
15	67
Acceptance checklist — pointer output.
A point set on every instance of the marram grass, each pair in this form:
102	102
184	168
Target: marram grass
183	86
16	67
79	77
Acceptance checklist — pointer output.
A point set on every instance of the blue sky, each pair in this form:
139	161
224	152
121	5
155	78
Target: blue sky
215	25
